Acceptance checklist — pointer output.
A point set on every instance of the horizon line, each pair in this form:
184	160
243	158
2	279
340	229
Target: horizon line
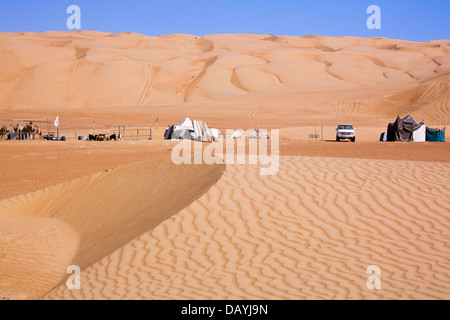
212	34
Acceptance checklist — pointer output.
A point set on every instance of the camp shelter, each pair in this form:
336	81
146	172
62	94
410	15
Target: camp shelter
192	130
168	132
183	130
236	135
215	133
420	135
436	135
403	129
260	135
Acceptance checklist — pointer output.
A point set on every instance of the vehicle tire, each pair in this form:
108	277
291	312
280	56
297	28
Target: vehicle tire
337	139
353	139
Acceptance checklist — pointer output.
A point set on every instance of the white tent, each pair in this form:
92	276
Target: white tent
197	131
201	131
420	135
191	129
215	133
260	135
181	134
185	124
183	130
236	135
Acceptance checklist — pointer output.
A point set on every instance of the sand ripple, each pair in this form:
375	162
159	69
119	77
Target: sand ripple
309	232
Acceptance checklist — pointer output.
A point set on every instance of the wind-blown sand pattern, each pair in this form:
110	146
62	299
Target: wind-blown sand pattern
81	221
309	232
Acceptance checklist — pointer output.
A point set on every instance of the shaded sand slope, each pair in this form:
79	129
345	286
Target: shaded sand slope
29	166
309	232
102	212
34	255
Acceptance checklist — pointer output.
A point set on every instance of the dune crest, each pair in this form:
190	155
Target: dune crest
103	212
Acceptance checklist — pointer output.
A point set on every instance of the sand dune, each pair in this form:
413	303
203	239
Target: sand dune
428	101
309	232
83	220
89	71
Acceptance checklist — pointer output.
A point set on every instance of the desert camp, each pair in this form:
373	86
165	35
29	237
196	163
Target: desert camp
163	188
408	129
191	130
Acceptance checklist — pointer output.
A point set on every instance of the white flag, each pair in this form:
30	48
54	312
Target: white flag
57	122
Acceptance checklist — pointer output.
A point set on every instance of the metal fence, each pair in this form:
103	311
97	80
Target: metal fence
72	132
15	129
123	132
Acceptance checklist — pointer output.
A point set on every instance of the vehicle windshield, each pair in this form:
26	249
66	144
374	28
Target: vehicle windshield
346	127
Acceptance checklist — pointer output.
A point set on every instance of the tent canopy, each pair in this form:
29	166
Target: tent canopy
403	129
182	130
191	129
436	135
419	135
185	124
236	135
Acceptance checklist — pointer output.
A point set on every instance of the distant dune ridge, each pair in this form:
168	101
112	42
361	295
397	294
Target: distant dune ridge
315	76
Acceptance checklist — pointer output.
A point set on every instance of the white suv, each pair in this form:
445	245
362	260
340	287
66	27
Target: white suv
345	131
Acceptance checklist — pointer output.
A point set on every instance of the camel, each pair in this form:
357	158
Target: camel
28	132
37	131
31	130
102	137
3	132
18	130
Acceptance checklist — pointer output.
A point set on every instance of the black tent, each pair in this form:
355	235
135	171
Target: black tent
402	129
168	132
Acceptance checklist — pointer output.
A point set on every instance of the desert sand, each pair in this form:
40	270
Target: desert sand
229	81
141	227
102	212
308	233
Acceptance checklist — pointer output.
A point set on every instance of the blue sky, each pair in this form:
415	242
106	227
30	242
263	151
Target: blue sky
418	20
